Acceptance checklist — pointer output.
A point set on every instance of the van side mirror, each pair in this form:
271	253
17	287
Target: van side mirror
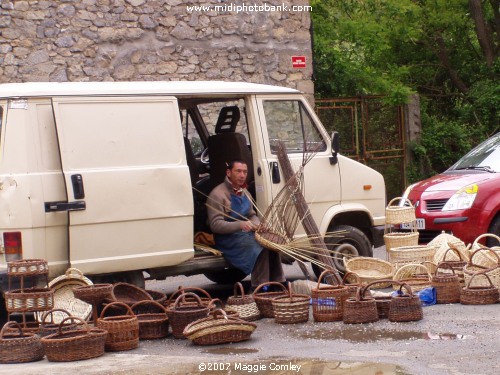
335	148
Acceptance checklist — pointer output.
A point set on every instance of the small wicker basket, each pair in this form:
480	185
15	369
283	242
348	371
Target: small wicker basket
404	212
181	313
360	309
485	259
19	347
400	256
244	305
202	294
129	294
447	285
123	330
471	268
27	267
405	307
49	327
413	274
291	308
153	320
264	299
328	301
383	302
479	295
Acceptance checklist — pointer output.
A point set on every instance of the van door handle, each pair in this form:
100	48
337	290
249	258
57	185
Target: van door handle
77	182
275	172
65	206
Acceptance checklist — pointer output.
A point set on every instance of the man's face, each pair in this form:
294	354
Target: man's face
238	174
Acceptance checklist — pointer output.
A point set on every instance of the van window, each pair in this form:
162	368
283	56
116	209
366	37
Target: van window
289	122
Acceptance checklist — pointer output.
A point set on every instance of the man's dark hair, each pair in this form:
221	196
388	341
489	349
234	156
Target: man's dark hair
231	164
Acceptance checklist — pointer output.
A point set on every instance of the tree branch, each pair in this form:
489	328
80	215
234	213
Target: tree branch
483	32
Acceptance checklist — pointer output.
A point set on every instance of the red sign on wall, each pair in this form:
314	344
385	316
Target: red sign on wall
298	61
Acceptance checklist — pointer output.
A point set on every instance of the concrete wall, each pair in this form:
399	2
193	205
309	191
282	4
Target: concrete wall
121	40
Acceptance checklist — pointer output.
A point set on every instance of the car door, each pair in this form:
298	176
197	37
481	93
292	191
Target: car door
292	121
128	187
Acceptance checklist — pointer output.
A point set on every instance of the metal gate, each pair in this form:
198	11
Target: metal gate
372	133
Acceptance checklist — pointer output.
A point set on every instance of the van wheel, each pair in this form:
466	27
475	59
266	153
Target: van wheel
351	243
226	276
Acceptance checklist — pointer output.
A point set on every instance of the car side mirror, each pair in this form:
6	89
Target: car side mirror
335	148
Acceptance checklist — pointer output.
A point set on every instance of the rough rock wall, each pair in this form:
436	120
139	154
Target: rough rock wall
120	40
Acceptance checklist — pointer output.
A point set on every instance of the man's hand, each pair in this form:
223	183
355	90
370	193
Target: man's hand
247	226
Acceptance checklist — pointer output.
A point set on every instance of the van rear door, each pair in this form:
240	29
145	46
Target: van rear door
128	187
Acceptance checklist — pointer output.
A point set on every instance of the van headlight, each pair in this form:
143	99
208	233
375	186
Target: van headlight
462	199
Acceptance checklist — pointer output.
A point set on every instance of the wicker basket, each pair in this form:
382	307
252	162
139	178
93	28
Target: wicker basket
123	330
181	313
360	309
352	283
397	214
129	294
472	268
487	259
49	327
218	328
202	294
405	307
159	297
62	286
417	276
271	240
479	295
245	305
399	239
457	262
19	347
370	269
383	302
29	300
447	285
75	345
264	299
328	301
27	267
95	293
153	320
443	242
291	308
400	256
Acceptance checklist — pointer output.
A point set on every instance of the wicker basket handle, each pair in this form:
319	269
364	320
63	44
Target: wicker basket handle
50	312
70	271
10	324
349	273
367	286
73	318
183	296
479	273
182	290
117	303
220	312
213	304
476	241
415	265
484	249
444	265
239	286
401	286
406	200
459	254
331	272
149	303
269	283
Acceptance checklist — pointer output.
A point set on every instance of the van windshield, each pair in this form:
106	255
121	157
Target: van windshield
484	157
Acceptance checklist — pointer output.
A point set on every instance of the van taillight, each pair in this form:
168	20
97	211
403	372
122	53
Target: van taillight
13	246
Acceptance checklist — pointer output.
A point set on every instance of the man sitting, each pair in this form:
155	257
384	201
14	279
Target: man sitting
233	221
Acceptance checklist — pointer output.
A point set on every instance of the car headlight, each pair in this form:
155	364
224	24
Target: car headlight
462	199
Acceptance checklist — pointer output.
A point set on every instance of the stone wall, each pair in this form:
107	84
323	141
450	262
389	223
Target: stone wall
122	40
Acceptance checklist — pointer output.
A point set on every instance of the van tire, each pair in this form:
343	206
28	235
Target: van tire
226	276
354	241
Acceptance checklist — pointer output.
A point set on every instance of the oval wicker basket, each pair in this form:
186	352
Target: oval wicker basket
29	300
19	347
399	239
49	327
75	345
402	255
479	295
27	267
218	328
370	269
129	294
398	214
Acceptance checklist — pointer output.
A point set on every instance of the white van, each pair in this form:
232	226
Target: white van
99	175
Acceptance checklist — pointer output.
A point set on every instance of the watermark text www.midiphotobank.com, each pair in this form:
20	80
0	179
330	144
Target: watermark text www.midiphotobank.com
248	7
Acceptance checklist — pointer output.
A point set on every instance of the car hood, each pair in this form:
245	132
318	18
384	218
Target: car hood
452	181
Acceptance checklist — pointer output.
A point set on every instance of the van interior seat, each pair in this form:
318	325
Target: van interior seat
227	145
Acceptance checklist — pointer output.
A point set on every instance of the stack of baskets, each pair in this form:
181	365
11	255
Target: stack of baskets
34	299
397	215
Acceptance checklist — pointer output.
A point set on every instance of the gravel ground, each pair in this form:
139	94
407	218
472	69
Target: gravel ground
451	339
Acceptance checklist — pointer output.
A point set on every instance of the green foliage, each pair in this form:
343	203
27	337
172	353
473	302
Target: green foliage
399	47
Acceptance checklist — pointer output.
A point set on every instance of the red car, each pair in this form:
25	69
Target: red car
464	200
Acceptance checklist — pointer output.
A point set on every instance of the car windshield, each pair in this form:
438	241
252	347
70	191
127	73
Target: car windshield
484	157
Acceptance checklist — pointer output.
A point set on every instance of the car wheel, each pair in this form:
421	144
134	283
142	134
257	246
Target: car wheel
352	242
226	276
494	229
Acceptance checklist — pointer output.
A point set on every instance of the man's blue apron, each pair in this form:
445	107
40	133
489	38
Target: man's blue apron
240	248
